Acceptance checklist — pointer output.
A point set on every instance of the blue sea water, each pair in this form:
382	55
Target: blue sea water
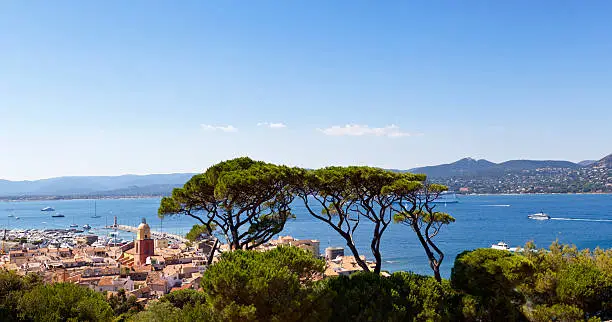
583	220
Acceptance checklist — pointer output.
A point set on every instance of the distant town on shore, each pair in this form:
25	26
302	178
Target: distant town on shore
465	176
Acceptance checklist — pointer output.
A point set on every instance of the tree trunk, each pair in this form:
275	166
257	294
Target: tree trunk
437	274
359	261
375	249
428	252
212	252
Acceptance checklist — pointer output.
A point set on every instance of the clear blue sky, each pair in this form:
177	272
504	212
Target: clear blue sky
115	87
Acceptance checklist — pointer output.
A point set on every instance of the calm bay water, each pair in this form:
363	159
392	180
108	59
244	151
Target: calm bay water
583	220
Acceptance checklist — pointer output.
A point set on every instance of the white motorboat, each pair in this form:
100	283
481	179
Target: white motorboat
500	246
539	216
48	209
503	246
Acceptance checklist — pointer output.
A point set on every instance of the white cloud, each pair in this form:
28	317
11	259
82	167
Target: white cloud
227	129
272	125
392	131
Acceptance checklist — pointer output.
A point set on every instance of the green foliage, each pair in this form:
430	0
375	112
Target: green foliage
557	312
158	312
558	284
348	195
566	276
584	285
364	296
124	306
424	298
491	277
246	201
12	287
197	232
276	285
64	302
403	296
183	298
183	306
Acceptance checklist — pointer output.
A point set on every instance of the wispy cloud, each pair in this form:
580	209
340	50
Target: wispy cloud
392	131
227	129
272	125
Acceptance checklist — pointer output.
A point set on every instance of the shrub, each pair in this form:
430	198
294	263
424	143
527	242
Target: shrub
276	285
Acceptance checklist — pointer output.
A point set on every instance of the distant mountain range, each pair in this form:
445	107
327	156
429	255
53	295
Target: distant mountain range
480	176
132	185
523	176
472	167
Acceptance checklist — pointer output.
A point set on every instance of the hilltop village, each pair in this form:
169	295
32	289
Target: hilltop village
148	267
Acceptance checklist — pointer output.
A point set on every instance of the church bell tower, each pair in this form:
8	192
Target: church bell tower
144	244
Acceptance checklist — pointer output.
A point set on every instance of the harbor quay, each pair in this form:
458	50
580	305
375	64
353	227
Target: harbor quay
149	266
157	235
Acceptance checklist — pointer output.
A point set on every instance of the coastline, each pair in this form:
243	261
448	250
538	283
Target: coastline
59	198
535	193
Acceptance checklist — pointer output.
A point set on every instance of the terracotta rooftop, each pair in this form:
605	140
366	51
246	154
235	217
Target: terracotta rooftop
106	281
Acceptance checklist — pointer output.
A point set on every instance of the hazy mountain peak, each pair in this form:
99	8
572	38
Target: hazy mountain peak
605	162
89	184
471	167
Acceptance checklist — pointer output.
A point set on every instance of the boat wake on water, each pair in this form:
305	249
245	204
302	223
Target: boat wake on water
495	205
581	219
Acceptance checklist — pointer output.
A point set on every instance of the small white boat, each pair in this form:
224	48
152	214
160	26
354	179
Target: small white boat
503	246
86	226
74	225
48	209
539	216
500	246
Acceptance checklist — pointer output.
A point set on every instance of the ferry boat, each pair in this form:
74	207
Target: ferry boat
58	215
539	216
48	209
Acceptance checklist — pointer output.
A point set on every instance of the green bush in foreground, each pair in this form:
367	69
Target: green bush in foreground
276	285
491	281
63	302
